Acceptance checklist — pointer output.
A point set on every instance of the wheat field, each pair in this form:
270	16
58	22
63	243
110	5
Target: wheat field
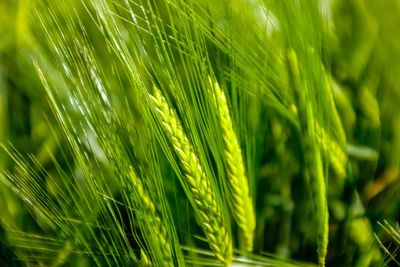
199	133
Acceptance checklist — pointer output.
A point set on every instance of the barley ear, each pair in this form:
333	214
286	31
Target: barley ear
200	190
337	157
144	259
312	156
242	203
151	220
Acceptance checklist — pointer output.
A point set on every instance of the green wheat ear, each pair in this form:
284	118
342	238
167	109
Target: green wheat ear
150	217
207	209
243	211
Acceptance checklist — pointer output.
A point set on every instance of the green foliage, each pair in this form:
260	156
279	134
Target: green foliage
117	150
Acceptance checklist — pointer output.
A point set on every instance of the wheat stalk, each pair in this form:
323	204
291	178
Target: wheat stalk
206	207
242	203
151	220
